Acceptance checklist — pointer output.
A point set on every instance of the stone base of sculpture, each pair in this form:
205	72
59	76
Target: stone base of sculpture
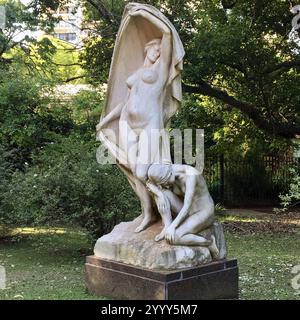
216	280
129	265
140	249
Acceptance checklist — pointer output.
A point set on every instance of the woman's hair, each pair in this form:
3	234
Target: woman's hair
152	43
160	173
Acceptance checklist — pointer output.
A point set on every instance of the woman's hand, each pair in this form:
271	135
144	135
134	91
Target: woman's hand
150	186
99	126
150	17
137	13
115	113
153	188
170	234
141	13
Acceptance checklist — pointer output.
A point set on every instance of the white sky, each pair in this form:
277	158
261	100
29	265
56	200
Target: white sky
30	34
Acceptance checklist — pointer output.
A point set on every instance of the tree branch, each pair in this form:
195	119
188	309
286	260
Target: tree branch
285	64
74	78
5	60
103	11
285	131
228	4
234	66
66	65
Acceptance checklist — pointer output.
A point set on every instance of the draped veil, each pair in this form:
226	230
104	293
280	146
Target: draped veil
128	56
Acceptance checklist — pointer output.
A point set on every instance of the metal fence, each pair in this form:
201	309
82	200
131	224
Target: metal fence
244	182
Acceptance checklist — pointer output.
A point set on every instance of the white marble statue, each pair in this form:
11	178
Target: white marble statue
182	191
144	91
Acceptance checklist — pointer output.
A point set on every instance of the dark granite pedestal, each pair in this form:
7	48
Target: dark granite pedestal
216	280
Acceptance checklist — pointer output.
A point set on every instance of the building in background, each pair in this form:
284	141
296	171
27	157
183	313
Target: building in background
70	26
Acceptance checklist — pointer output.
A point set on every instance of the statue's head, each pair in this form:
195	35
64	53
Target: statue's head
152	50
161	174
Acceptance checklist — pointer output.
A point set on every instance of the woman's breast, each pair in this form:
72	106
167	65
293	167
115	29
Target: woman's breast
144	105
149	76
146	76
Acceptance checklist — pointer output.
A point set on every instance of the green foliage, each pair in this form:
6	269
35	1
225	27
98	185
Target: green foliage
5	165
47	263
251	180
96	58
43	56
225	132
87	106
219	210
28	119
48	169
293	196
67	185
194	114
48	160
63	63
34	16
6	170
238	48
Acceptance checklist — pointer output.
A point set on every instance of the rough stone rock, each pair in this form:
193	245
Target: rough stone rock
122	244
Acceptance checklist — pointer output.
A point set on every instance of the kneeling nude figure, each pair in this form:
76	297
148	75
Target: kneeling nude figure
181	190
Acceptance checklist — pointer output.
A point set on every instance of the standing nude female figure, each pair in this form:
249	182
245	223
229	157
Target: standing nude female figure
142	111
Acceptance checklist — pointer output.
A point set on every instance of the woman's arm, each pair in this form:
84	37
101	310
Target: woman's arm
166	49
166	43
114	114
161	200
153	188
150	17
188	200
190	188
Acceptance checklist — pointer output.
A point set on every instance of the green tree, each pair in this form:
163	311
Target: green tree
29	118
22	41
238	55
21	21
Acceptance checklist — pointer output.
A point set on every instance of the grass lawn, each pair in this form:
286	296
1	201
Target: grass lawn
47	263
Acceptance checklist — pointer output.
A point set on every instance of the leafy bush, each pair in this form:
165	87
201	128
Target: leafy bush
29	119
293	196
87	106
67	185
248	180
48	167
245	180
5	173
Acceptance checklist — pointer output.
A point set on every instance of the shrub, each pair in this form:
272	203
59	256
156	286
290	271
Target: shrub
67	185
293	196
5	174
248	179
28	119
